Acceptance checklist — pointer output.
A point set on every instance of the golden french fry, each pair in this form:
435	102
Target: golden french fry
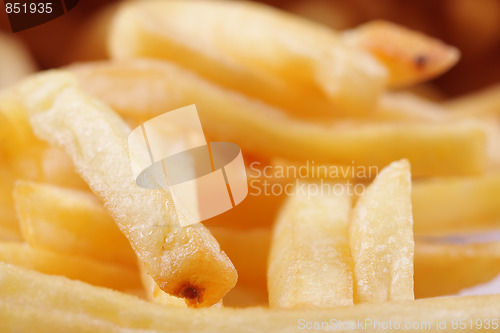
70	221
310	264
74	267
31	301
444	269
262	52
155	294
410	56
381	236
145	88
15	60
185	262
479	103
456	205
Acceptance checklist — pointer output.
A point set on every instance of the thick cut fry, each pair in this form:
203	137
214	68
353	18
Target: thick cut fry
262	52
310	263
381	236
74	267
34	302
479	103
456	205
411	57
444	269
142	89
70	221
185	262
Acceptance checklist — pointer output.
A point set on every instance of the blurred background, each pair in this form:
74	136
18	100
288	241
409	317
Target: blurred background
471	25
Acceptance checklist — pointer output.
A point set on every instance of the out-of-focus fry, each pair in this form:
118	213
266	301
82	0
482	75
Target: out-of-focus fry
410	56
479	103
456	205
185	262
57	168
310	263
141	89
445	269
248	249
381	236
70	221
31	301
74	267
279	58
409	107
7	234
25	157
15	60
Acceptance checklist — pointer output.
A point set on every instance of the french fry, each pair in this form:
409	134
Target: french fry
445	269
279	58
7	234
456	205
184	262
479	103
70	221
310	263
381	237
16	62
394	107
411	57
73	267
146	88
155	294
25	157
31	301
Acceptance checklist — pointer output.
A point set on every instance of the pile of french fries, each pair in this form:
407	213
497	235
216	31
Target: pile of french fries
83	248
